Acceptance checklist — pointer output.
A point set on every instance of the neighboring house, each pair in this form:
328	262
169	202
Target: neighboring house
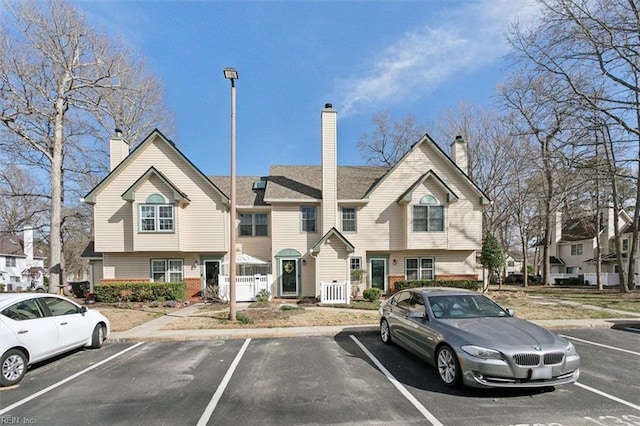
157	217
513	264
21	263
574	243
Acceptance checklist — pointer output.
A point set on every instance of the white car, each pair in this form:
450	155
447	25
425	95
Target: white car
38	326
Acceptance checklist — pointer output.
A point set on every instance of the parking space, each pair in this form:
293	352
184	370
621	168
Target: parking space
312	380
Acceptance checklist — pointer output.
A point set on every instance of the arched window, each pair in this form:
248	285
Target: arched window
428	215
155	199
156	215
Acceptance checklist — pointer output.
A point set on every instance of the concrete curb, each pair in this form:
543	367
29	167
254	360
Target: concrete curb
152	330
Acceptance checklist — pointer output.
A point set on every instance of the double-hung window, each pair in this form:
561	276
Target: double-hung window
428	216
422	268
156	215
253	225
349	223
10	261
576	249
166	270
308	218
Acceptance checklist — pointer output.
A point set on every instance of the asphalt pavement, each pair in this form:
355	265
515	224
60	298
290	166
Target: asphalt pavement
153	330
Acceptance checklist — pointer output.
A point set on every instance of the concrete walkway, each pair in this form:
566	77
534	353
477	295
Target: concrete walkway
153	330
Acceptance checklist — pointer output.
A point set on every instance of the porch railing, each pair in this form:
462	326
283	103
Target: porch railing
247	287
335	292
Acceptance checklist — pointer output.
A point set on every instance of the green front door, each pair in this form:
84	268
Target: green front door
378	270
289	277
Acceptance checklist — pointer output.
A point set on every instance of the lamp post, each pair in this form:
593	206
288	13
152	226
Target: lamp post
232	74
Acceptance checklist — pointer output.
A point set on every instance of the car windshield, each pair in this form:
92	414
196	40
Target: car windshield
465	306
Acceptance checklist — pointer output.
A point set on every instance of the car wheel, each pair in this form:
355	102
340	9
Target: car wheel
97	339
14	367
385	331
448	366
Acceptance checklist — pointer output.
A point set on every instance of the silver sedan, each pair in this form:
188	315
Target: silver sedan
472	340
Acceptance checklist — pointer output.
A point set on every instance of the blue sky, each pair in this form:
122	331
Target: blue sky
405	57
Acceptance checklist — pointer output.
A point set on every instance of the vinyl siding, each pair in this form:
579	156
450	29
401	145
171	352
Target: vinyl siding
201	224
138	265
333	262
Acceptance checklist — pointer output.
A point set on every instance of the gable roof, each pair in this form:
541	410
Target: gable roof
583	228
406	196
426	139
130	193
90	198
13	245
331	233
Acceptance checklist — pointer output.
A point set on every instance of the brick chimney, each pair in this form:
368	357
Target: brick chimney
460	154
118	149
329	167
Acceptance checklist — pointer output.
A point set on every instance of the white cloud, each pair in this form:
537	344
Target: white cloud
466	39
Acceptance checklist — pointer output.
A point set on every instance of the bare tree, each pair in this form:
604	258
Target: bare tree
390	140
593	47
57	97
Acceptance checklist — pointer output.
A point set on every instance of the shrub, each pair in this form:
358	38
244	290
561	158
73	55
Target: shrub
466	284
242	318
139	291
263	295
372	294
80	288
290	308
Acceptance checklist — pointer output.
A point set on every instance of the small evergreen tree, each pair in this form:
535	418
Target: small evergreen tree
492	257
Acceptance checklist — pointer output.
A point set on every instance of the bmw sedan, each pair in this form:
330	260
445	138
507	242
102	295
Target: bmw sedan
38	326
473	341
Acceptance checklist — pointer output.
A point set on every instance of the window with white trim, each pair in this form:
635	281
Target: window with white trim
253	225
156	215
428	215
308	218
419	268
10	261
167	270
576	249
625	244
349	223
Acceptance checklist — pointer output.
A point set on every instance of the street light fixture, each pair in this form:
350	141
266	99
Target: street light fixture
232	74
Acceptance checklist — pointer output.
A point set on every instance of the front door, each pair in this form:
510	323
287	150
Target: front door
378	270
211	272
289	277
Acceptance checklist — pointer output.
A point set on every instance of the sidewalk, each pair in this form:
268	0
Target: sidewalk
152	330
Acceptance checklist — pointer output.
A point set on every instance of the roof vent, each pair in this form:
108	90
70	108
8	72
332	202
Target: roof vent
328	105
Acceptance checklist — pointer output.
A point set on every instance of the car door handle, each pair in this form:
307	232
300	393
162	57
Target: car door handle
64	323
23	331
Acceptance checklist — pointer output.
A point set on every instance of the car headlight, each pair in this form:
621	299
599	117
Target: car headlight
571	350
480	352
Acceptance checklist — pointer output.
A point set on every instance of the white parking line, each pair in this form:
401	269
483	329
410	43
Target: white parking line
430	417
606	395
62	382
601	345
223	385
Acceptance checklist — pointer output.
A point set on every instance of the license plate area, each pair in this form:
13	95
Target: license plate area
541	373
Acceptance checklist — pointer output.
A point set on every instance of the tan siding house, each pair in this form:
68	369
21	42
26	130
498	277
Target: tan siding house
157	217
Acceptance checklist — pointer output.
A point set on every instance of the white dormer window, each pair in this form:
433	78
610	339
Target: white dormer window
156	215
428	215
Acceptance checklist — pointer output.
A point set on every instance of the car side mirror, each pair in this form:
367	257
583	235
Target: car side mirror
83	310
511	312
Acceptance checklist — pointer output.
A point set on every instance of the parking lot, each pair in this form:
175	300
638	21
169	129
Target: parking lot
347	379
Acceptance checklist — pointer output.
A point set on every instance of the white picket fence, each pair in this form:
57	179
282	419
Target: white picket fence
607	279
335	292
247	287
